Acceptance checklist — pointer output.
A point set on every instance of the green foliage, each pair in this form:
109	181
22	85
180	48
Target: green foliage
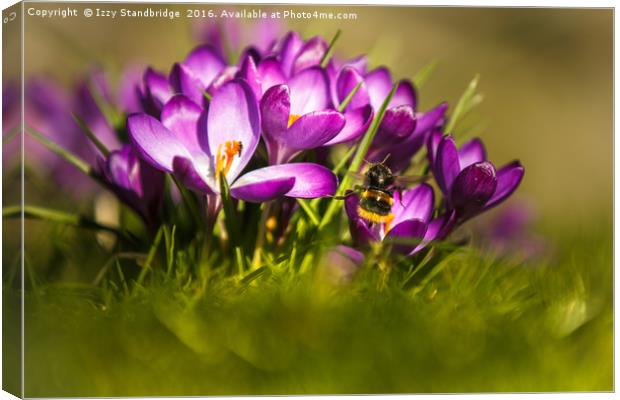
472	322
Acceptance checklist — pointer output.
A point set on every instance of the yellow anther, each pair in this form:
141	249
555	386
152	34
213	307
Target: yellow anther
292	118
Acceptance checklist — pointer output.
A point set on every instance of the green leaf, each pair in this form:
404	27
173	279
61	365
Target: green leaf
422	76
67	155
309	211
330	49
91	135
362	149
240	259
9	136
230	214
469	99
151	255
62	217
349	97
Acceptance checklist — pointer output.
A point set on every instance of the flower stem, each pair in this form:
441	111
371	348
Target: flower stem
260	237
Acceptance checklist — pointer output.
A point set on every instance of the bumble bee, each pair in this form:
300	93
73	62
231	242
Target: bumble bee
376	195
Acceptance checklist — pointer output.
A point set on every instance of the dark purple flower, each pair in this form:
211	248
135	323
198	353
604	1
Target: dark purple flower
136	183
199	145
296	116
411	227
469	182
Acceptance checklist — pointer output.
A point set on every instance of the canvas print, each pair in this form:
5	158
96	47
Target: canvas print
226	199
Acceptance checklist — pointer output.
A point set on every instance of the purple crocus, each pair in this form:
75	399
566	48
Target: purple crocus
202	71
296	55
296	116
198	146
154	92
411	222
469	182
136	183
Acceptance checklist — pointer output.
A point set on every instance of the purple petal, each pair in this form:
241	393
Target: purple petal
291	44
357	122
310	180
310	54
379	83
182	81
471	153
186	173
313	130
360	232
438	229
233	116
309	91
432	144
262	190
180	115
417	203
404	95
397	123
154	142
473	187
270	73
227	75
508	179
275	109
249	72
157	86
204	64
407	235
430	119
447	165
347	80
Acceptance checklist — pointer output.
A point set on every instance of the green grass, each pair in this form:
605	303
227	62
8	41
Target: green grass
474	323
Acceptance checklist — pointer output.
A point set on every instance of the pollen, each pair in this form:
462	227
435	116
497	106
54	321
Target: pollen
226	153
292	118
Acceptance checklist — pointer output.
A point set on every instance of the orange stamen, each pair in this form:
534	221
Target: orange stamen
223	162
292	118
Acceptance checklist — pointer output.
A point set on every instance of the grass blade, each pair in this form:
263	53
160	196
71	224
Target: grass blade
422	76
309	211
62	217
60	151
468	100
91	135
151	255
330	49
349	97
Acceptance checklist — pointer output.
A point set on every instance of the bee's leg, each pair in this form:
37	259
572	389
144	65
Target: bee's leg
399	190
357	189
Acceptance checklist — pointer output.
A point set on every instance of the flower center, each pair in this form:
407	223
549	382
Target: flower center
291	119
226	152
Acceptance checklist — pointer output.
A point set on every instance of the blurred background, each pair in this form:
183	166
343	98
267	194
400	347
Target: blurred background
546	77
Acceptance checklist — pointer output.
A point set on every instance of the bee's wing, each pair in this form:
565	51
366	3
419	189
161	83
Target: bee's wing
406	180
357	176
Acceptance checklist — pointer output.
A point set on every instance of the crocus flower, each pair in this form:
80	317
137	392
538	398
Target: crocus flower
136	183
198	72
340	264
469	182
200	146
296	116
296	55
154	92
411	222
